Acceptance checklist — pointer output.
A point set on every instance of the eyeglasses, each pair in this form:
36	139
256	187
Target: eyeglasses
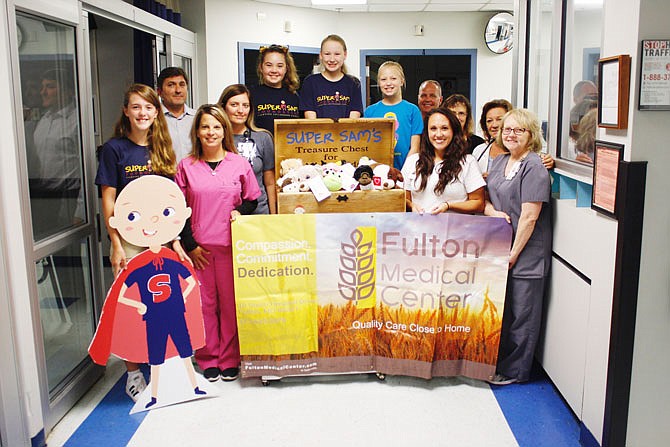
272	48
517	130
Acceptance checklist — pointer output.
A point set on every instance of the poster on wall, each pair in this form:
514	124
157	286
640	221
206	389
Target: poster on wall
655	75
613	91
605	176
394	293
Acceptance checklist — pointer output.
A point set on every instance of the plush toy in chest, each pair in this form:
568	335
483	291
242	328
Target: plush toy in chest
337	167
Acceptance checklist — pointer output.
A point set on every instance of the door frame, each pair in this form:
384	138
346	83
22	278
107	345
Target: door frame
472	52
41	410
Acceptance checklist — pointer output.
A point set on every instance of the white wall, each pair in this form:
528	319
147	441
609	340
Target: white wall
580	372
236	21
649	411
588	35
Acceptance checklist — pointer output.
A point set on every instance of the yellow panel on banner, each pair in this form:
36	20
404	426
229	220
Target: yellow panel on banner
275	284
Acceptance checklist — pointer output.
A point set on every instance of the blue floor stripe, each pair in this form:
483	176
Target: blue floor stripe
537	414
109	421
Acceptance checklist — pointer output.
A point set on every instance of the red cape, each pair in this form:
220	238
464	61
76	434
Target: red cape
121	330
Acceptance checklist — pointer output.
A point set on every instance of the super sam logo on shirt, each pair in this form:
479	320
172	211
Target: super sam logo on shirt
136	171
281	108
333	100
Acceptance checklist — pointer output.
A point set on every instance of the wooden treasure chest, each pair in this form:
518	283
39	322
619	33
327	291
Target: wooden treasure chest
323	143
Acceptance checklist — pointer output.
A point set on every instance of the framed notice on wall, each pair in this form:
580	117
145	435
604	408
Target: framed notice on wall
605	176
655	75
613	91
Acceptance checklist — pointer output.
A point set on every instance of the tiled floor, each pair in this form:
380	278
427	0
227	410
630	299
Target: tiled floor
328	411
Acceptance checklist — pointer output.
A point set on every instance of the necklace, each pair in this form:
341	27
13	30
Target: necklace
215	164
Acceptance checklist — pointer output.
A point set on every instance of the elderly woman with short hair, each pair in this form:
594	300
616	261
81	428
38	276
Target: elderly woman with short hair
519	191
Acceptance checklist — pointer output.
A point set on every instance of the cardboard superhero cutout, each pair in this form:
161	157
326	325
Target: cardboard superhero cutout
152	312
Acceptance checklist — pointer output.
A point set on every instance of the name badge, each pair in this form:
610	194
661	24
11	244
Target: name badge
247	149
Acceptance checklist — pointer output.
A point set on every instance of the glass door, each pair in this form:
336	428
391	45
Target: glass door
63	234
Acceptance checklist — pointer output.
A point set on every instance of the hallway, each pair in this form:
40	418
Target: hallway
328	411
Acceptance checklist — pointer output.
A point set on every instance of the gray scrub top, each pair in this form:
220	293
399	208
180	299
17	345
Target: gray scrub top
262	158
530	184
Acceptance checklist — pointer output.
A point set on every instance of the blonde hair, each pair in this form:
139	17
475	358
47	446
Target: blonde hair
392	65
527	120
586	140
291	79
334	38
161	154
215	111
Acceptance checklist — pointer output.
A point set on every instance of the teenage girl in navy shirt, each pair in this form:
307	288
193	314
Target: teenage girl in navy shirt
276	95
332	93
141	145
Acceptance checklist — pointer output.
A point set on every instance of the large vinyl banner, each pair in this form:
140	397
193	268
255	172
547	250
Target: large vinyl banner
396	293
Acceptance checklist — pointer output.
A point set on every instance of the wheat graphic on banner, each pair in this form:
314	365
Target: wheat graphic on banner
358	260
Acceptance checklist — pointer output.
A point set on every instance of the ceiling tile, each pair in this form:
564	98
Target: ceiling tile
396	7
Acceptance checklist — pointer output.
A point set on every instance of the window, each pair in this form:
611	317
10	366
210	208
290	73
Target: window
582	35
539	60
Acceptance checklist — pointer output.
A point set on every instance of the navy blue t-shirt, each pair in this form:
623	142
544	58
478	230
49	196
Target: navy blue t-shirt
273	103
121	162
331	99
160	288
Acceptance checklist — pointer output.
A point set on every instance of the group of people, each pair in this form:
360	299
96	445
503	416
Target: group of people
223	154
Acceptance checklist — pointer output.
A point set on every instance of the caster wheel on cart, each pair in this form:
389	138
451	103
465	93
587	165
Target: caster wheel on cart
381	376
265	382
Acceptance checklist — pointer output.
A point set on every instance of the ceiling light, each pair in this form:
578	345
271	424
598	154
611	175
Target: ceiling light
338	2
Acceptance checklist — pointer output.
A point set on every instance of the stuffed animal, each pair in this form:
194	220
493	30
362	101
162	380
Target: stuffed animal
330	168
363	174
303	174
291	187
289	164
382	171
333	181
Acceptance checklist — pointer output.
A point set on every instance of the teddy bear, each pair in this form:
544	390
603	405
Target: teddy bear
287	165
303	174
363	174
389	177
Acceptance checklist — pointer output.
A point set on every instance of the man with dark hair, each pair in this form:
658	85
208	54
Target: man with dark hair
173	90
